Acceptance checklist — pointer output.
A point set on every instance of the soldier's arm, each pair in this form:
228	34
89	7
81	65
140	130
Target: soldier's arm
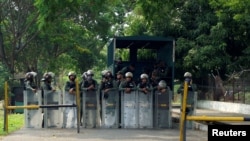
138	87
121	87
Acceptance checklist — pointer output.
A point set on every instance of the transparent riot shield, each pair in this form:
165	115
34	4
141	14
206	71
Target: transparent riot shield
89	107
110	109
145	109
33	117
129	110
69	113
52	116
162	109
191	107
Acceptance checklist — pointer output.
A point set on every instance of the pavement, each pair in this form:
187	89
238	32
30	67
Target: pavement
101	134
109	134
104	134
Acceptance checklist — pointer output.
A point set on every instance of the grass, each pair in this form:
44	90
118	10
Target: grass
16	121
176	100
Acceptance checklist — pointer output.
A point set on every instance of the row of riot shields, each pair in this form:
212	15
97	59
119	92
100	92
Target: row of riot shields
136	109
118	109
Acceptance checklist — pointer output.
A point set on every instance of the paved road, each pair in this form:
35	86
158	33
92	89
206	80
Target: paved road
104	135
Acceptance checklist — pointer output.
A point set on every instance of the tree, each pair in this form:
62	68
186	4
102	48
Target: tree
233	15
15	19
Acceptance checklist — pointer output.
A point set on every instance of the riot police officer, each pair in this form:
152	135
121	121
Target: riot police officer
128	85
190	101
81	84
108	83
191	86
144	85
47	92
119	78
154	80
84	77
89	83
47	84
47	81
30	82
162	87
31	97
70	98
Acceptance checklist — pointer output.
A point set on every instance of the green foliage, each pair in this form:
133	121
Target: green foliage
201	45
17	30
233	15
146	54
158	16
49	10
84	59
66	35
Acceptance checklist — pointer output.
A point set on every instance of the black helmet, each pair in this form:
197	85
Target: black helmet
108	74
30	75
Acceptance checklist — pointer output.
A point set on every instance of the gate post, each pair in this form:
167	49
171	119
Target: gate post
183	113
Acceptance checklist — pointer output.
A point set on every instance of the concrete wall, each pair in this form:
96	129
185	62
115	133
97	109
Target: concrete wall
224	106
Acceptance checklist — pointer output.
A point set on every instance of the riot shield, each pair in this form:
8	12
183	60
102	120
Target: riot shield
33	117
191	107
162	109
129	110
110	109
52	116
89	107
145	109
69	113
